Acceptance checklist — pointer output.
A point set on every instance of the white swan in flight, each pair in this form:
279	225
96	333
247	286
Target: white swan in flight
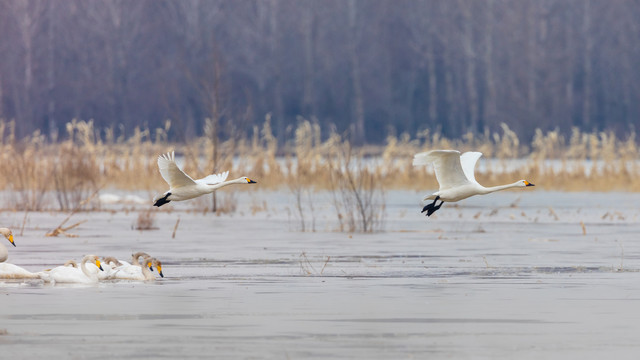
183	187
454	173
10	271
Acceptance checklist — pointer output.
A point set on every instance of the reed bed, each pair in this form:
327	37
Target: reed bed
57	172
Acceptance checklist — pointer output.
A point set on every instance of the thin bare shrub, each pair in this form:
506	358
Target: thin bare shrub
300	171
356	188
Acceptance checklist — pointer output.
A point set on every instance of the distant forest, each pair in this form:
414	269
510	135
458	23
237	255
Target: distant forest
367	67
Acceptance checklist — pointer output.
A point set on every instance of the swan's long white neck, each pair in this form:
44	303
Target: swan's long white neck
83	267
225	183
490	189
148	275
135	258
4	253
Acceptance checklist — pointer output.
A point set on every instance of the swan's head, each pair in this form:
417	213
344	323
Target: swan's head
247	180
94	259
99	265
524	183
150	262
158	266
8	234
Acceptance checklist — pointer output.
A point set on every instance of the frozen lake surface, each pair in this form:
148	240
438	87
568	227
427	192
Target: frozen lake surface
509	275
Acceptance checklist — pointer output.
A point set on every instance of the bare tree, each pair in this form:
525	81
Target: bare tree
371	67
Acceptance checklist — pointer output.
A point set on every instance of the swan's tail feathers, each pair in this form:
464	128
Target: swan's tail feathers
44	276
429	197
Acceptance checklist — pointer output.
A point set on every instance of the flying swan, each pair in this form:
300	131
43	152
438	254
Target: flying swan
454	173
10	271
183	187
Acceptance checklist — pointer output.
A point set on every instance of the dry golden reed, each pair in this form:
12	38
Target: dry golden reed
58	172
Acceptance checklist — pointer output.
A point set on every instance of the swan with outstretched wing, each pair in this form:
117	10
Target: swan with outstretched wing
455	175
183	187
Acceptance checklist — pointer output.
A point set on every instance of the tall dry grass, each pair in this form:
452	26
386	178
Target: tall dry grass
58	172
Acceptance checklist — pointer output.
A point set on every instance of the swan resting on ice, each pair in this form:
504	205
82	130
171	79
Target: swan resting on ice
455	175
183	187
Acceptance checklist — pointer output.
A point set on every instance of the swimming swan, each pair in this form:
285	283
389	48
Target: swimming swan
183	187
108	264
140	272
123	270
83	275
4	253
10	271
455	174
46	273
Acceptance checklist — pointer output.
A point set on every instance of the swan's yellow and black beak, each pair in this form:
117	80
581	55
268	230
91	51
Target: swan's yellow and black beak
528	183
99	265
149	265
159	267
249	181
11	240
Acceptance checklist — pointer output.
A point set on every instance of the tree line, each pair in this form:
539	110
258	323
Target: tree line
365	67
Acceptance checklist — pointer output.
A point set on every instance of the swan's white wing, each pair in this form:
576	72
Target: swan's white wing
468	162
214	178
171	173
446	164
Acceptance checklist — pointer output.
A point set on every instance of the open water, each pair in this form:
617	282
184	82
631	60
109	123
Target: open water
510	275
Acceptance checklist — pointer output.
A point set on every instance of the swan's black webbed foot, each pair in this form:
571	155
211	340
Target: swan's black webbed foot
162	200
431	211
431	208
426	207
